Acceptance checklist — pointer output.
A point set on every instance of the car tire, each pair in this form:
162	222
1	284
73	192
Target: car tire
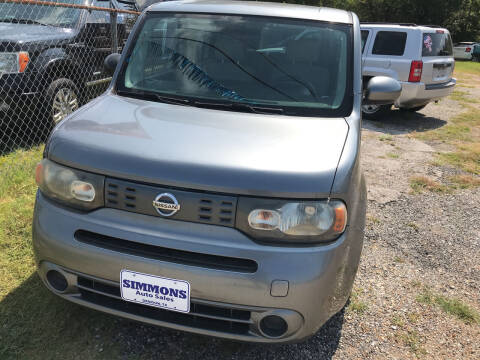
375	112
62	98
414	109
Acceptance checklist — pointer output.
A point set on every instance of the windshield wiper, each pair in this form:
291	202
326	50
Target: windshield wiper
227	106
172	100
23	21
146	95
238	106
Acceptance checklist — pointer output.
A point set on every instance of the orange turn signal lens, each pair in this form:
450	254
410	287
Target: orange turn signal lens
39	174
340	218
23	60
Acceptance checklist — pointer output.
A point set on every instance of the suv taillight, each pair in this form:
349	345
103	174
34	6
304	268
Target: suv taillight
468	50
416	71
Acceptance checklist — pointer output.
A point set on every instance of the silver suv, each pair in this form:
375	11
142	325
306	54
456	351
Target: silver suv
420	57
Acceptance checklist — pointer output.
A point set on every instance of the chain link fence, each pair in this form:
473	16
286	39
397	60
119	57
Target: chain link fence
51	63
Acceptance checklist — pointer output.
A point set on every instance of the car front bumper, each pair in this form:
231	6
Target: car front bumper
227	304
419	94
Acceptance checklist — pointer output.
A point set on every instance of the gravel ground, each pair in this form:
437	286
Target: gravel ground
414	243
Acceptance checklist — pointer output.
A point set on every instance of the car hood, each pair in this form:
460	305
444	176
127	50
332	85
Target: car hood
203	149
30	33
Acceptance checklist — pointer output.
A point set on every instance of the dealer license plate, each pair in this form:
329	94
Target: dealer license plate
156	291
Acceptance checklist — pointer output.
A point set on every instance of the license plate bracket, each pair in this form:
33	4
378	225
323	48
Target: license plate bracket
155	291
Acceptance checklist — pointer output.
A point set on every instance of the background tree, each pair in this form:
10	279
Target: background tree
461	17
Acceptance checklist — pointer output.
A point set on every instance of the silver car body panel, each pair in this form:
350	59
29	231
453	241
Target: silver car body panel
255	8
205	149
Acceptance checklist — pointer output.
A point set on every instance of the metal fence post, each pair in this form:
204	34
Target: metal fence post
113	26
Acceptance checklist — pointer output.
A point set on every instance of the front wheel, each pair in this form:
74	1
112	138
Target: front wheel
375	112
62	98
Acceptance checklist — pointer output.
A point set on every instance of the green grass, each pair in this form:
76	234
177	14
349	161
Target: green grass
450	306
35	324
463	96
463	134
386	137
462	131
357	305
465	181
412	340
420	184
392	155
467	67
397	320
414	226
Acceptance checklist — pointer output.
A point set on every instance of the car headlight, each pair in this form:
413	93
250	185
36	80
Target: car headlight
292	221
13	63
75	188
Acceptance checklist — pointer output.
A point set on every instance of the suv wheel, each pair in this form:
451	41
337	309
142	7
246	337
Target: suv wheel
375	112
62	96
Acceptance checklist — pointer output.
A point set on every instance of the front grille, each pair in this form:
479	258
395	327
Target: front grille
194	206
201	316
166	254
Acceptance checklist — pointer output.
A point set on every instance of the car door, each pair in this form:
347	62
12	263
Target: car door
437	57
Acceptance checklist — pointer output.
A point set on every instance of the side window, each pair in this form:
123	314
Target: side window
364	39
390	43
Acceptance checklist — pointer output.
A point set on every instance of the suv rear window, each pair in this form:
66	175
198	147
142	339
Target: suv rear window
390	43
437	44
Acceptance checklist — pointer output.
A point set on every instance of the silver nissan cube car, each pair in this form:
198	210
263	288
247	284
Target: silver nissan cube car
216	186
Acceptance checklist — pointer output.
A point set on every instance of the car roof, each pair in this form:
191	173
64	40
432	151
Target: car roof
426	28
255	8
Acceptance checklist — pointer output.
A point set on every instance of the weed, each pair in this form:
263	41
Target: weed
411	338
416	283
393	155
413	317
385	137
419	184
414	226
397	321
372	219
356	305
398	259
466	157
450	306
465	181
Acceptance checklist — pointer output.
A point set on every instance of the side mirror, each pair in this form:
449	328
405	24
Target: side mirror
110	63
382	90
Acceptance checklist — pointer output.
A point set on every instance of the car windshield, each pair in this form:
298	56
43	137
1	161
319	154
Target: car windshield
39	14
296	66
437	44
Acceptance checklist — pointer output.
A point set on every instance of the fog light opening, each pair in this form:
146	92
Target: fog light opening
273	326
57	280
